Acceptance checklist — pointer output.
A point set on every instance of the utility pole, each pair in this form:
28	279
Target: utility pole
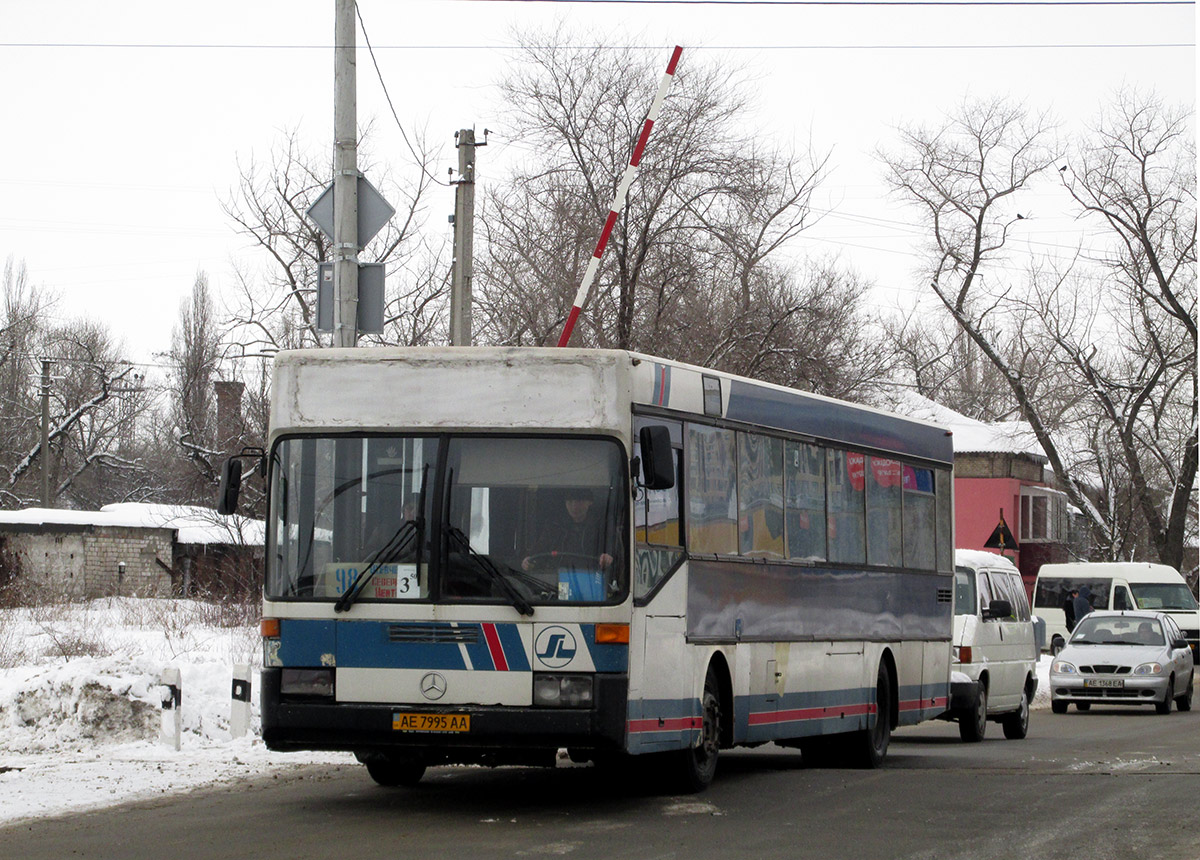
45	432
464	238
345	178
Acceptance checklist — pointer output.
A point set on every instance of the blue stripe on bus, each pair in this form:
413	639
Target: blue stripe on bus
366	645
605	657
514	648
306	642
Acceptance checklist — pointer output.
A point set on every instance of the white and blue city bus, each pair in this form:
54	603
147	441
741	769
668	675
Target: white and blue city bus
754	563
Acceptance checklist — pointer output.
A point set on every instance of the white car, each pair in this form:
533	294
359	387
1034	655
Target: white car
1123	658
995	650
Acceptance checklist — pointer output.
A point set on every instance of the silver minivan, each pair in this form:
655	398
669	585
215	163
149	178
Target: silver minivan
995	647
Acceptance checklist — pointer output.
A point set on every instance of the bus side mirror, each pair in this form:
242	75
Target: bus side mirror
658	458
231	486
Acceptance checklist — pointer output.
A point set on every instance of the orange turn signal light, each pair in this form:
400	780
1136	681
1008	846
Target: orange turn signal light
269	628
612	634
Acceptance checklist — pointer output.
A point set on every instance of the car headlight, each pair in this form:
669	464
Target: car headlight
1148	669
562	691
1062	667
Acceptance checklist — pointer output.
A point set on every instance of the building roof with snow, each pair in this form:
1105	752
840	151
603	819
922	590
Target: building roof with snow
191	523
972	436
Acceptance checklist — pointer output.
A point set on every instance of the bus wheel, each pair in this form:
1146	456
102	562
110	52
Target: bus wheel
868	747
698	765
391	772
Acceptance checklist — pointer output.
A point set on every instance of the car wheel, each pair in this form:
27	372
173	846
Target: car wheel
390	772
973	724
1184	702
1058	706
1164	707
1056	645
1016	724
698	765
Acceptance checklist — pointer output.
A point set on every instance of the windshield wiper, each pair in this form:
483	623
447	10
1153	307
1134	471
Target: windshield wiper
489	567
398	543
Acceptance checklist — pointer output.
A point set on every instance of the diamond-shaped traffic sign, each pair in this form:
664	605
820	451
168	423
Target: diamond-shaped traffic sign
373	212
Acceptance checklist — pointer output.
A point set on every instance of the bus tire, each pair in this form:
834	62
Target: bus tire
390	772
867	748
697	765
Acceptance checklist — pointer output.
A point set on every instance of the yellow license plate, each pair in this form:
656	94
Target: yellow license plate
431	722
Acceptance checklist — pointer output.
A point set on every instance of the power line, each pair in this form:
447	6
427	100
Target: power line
420	162
820	47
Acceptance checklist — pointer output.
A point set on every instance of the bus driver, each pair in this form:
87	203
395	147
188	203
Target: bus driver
579	533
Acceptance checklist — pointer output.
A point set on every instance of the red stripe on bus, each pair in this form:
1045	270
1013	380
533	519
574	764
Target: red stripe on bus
672	725
494	646
923	704
798	714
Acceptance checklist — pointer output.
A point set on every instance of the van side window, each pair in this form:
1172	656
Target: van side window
1002	590
1021	602
985	590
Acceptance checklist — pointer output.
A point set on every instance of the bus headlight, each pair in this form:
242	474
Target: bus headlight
306	682
562	691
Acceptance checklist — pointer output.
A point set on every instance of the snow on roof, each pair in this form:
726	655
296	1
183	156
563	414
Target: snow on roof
972	436
978	558
193	524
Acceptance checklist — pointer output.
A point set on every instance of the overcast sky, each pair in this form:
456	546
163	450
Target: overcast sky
125	121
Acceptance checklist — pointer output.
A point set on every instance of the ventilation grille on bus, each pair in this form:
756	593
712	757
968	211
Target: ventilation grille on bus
944	595
426	633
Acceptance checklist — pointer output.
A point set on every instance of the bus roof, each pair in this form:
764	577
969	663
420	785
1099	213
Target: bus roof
527	388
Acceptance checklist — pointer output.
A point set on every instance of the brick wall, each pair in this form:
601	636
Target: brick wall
84	561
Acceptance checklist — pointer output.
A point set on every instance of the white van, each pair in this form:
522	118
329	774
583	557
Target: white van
995	650
1115	585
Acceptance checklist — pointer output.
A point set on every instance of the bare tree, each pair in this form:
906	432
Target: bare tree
696	266
1099	359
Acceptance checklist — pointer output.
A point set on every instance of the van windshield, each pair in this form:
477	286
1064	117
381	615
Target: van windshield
1162	595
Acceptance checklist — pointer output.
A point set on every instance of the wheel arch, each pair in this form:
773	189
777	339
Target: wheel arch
888	661
719	664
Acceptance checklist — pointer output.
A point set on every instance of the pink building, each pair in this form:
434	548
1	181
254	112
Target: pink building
1000	472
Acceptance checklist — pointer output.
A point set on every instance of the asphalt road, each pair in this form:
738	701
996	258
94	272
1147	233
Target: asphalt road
1111	783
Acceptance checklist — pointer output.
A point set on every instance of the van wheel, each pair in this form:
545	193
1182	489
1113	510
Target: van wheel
1016	724
972	725
698	765
1164	707
1056	645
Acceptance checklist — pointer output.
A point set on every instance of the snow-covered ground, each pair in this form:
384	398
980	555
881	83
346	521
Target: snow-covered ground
81	704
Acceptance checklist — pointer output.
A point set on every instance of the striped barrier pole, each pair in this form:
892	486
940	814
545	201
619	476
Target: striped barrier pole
619	198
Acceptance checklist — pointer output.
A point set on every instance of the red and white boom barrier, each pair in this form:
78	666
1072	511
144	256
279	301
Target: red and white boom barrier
619	199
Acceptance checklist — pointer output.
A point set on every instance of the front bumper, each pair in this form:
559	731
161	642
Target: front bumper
1136	689
498	735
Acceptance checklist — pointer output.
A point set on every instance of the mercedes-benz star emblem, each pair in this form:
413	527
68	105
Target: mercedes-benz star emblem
433	685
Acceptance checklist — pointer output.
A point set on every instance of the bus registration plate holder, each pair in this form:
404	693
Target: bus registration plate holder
431	722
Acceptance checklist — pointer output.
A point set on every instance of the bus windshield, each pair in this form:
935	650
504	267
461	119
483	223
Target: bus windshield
516	520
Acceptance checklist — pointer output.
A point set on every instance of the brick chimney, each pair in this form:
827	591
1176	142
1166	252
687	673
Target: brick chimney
229	415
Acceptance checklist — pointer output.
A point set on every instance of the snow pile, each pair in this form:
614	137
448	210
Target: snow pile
192	524
81	703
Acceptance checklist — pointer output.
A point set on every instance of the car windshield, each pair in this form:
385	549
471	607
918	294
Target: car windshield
1163	595
520	521
1121	630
